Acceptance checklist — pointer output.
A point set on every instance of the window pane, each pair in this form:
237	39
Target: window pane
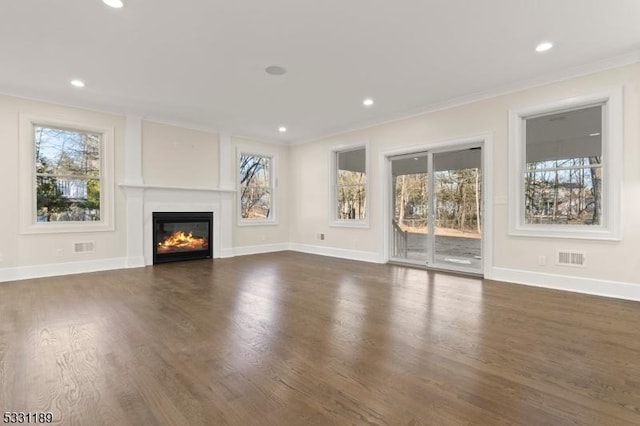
255	187
564	197
67	200
351	180
67	152
567	135
256	202
563	179
67	166
351	202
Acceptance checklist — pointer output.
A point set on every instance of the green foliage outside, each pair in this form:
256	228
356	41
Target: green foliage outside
67	166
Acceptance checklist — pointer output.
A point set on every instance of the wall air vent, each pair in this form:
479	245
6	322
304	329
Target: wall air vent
84	247
571	258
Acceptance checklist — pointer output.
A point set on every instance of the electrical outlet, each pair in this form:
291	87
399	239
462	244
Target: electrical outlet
322	236
59	252
542	260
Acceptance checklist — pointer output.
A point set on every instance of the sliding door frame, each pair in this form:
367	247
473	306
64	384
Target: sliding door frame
484	141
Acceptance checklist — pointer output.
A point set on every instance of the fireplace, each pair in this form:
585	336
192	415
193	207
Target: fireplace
182	236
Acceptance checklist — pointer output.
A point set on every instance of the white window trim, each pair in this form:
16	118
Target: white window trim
273	220
333	215
612	164
28	223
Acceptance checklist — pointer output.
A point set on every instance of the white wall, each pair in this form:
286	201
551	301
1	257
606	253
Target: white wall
175	156
19	251
610	261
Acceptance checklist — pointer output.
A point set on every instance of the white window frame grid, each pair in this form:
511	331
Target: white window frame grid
273	219
333	202
612	168
27	182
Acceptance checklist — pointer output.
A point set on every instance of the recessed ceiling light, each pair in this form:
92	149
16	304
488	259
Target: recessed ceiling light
367	102
543	47
275	70
282	129
113	3
594	134
77	83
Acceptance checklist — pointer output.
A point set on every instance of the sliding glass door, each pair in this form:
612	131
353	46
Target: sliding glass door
457	210
410	208
436	209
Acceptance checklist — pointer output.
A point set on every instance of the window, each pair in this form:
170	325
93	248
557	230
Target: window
69	167
350	187
256	189
565	168
67	172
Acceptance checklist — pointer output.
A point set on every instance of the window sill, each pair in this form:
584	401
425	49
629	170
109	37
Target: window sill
66	227
349	223
564	232
257	222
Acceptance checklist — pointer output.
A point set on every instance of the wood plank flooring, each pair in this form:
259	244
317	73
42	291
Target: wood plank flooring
295	339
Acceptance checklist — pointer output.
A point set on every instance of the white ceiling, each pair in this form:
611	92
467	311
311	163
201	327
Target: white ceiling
201	62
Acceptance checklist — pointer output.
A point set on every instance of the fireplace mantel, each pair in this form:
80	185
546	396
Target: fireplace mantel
173	188
144	199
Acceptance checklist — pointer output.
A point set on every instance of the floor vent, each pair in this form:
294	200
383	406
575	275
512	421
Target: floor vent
84	247
571	258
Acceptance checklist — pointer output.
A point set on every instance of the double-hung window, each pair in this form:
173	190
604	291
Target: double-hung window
350	202
256	188
566	162
66	184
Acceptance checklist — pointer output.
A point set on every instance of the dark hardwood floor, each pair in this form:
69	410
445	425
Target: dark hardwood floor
295	339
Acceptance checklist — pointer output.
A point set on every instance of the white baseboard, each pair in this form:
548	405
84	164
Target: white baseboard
226	253
615	289
136	262
259	249
56	269
364	256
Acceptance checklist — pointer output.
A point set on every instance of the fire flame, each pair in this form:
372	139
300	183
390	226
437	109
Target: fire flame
182	241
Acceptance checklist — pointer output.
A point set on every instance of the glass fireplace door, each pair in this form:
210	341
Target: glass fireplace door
182	236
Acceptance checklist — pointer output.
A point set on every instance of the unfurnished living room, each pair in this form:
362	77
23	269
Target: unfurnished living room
287	212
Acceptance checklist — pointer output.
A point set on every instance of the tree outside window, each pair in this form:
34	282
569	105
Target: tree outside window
67	174
256	187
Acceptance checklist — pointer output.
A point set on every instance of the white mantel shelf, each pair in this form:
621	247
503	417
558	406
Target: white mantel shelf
174	188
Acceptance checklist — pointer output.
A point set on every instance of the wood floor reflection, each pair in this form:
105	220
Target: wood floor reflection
296	339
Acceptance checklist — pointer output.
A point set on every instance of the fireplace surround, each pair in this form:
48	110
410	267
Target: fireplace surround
181	236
